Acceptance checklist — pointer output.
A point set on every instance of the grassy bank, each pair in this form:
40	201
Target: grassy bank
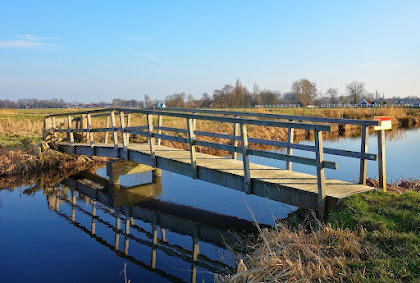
373	237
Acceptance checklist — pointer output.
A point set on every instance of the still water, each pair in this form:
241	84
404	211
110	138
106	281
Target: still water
171	228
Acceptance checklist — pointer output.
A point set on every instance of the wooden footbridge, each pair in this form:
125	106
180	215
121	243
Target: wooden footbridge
87	132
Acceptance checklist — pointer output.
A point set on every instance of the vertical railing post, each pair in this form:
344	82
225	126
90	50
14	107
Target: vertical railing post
364	149
381	159
245	159
114	134
44	132
151	139
160	122
191	138
124	135
234	140
290	140
52	130
92	227
128	125
90	133
70	132
107	124
319	150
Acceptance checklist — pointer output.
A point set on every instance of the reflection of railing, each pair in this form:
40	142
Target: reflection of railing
154	243
178	219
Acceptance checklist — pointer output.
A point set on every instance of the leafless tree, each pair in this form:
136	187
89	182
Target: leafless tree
356	90
304	91
332	94
148	101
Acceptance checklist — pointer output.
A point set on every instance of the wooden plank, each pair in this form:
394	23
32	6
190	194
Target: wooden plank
322	200
364	149
305	147
291	158
245	159
381	160
290	139
114	134
279	116
171	138
191	142
151	139
225	147
169	129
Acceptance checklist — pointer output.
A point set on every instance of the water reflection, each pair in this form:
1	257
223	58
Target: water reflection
130	222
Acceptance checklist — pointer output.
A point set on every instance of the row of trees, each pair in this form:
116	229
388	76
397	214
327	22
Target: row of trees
303	92
29	103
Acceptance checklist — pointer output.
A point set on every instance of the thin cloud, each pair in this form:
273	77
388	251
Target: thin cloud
29	41
137	37
158	69
150	57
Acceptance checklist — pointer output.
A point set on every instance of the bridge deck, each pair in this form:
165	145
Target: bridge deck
290	187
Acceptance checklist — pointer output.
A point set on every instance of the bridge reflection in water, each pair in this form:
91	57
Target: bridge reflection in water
134	217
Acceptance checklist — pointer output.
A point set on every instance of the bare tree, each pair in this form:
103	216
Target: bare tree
148	101
304	91
332	94
355	90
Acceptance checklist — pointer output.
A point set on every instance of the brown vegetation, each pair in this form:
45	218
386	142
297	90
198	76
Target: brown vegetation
283	255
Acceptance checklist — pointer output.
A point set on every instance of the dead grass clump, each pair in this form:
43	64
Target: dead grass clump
283	255
399	186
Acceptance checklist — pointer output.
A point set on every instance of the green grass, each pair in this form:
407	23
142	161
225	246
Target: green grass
392	223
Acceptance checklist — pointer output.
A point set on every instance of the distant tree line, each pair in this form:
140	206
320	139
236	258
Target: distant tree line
303	92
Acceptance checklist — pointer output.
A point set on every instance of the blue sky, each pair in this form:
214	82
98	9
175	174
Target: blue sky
98	50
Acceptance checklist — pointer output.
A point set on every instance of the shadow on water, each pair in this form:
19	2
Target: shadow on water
173	241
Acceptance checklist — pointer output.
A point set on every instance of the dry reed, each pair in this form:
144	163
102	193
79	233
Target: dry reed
286	255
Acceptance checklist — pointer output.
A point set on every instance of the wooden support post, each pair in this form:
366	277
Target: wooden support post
124	136
234	140
381	160
160	122
319	149
245	159
364	149
71	136
290	139
151	139
107	124
73	203
191	138
114	134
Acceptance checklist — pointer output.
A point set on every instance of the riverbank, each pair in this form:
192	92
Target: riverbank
372	237
29	162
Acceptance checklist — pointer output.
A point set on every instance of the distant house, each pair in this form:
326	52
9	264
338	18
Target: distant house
160	105
366	103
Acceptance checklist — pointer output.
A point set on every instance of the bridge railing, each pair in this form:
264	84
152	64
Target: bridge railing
81	122
363	154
